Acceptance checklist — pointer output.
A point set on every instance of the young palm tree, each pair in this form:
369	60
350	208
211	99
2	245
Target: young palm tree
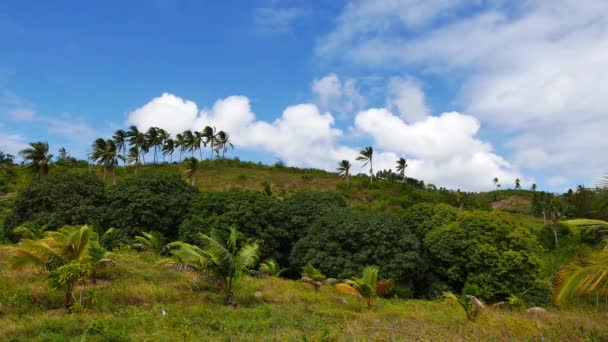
272	268
191	166
210	137
220	258
37	157
364	287
344	171
133	157
168	148
180	142
56	249
401	166
120	138
366	156
152	242
104	153
582	277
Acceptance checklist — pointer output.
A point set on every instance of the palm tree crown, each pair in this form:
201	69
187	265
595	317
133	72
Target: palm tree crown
37	157
366	156
401	166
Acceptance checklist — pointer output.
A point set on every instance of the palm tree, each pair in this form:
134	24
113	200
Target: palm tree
189	141
366	155
581	277
56	249
533	187
272	268
153	139
210	138
495	180
168	148
63	154
180	142
364	287
344	171
120	138
137	139
37	157
223	143
199	143
152	242
220	257
163	136
133	157
191	166
104	153
401	166
517	183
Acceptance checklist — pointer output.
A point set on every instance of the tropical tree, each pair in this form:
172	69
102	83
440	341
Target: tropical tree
133	158
199	143
272	268
223	143
63	154
495	180
210	137
189	141
163	136
152	242
581	277
153	139
220	258
344	171
66	246
120	138
533	187
364	287
180	142
6	159
517	183
191	166
556	212
401	166
37	157
168	148
470	304
104	153
366	156
137	139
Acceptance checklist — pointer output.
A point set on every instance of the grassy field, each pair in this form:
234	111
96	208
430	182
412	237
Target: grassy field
126	305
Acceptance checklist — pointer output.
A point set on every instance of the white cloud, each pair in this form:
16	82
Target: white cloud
535	70
12	143
336	95
275	19
407	97
440	149
557	181
22	114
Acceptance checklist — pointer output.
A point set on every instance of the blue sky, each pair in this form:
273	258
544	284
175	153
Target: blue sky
465	92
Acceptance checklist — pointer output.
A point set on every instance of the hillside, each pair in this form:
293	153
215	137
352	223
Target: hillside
126	305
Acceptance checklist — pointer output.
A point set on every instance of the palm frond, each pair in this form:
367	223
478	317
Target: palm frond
582	277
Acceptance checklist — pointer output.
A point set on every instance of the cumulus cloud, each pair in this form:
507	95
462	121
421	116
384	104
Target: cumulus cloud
440	149
336	95
533	69
274	19
12	143
407	97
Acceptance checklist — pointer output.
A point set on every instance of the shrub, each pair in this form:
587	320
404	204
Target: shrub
539	294
59	200
424	217
343	241
485	249
149	202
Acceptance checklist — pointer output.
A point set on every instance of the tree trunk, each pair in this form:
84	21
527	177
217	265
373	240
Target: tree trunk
555	237
544	217
347	182
113	176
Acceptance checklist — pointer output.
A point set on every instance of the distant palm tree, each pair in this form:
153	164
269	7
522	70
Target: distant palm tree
137	139
401	166
104	152
180	142
153	139
63	154
163	136
189	141
191	166
199	143
220	257
168	148
344	171
366	155
223	143
210	137
37	157
133	158
517	183
120	138
533	187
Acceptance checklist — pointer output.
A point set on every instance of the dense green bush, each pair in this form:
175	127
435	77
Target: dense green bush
342	242
540	293
485	249
149	202
58	200
424	217
252	213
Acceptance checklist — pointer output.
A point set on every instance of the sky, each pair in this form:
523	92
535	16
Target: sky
465	90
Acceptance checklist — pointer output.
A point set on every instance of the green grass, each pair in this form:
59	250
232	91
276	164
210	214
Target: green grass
126	306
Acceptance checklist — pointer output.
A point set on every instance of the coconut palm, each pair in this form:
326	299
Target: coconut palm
189	141
37	157
344	171
153	139
586	276
163	136
272	268
495	180
180	142
152	242
133	158
517	183
104	153
190	168
199	143
366	156
210	137
56	249
401	166
219	258
533	187
223	142
137	139
168	148
120	138
365	287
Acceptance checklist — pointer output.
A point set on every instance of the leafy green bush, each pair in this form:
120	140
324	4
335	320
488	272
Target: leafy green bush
485	249
424	217
344	241
58	200
114	238
252	213
149	202
539	294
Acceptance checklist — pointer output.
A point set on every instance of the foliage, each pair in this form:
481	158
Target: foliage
272	268
28	230
152	242
312	272
581	277
37	157
486	249
252	213
59	200
220	258
467	302
366	285
539	294
343	241
151	201
114	238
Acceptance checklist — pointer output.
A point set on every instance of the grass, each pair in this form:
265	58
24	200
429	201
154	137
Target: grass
126	305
